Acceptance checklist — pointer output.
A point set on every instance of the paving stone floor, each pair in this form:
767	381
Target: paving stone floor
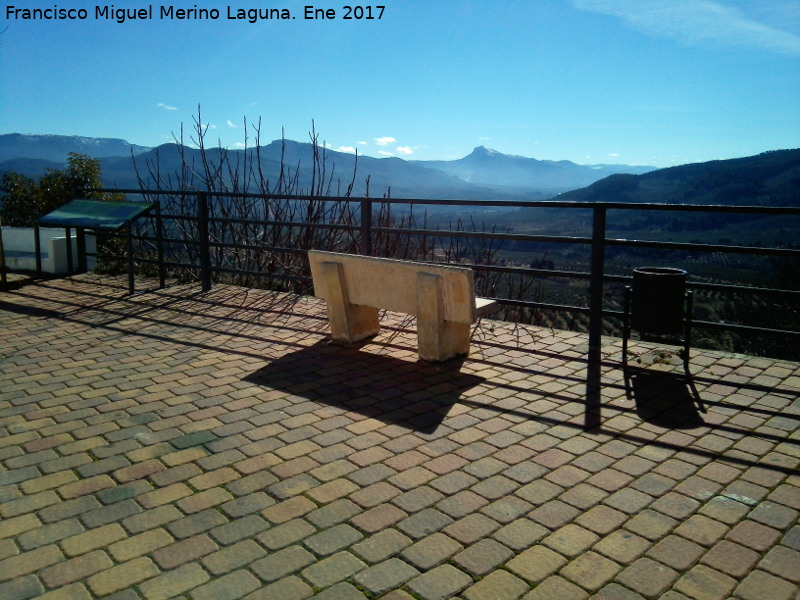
215	446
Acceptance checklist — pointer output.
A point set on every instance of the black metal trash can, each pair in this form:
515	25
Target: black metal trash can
658	299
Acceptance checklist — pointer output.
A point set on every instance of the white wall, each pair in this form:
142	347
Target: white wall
20	249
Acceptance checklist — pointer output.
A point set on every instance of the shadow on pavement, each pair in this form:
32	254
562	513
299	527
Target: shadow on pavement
416	395
665	399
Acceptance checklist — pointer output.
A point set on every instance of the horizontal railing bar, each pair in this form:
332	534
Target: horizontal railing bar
543	305
734	327
154	261
624	279
252	247
745	328
721	287
778	210
520	237
443	233
298	224
299	278
531	272
541	238
722	326
706	248
224	245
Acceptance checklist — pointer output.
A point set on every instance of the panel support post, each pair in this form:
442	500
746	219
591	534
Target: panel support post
37	239
80	234
68	235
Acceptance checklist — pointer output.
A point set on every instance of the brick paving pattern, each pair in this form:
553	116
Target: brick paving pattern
180	444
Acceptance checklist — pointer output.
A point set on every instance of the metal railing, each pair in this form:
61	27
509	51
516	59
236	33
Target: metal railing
361	230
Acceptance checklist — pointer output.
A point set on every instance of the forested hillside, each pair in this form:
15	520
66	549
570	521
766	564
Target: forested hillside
768	179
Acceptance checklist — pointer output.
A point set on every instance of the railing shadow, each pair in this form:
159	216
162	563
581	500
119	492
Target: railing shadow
188	317
415	395
28	310
373	382
234	315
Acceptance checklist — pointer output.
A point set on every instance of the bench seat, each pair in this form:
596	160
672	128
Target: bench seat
441	296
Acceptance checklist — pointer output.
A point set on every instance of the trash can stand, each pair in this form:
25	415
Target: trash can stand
658	303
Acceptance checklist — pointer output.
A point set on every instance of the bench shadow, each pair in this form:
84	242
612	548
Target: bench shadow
666	399
413	394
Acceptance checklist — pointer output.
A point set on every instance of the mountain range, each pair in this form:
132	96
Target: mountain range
768	179
54	148
483	174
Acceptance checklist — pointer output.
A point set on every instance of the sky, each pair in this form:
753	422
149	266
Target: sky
638	82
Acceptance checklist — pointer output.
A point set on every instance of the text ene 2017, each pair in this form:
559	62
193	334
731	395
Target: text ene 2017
350	12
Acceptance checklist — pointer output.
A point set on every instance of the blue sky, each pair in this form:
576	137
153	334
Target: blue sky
655	82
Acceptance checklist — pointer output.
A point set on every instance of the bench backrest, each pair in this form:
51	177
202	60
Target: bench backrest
392	284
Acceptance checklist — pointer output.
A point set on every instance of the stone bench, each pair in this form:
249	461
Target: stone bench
441	296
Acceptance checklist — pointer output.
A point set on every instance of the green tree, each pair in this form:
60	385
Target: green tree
20	199
25	200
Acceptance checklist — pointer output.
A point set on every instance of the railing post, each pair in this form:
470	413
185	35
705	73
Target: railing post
3	277
596	282
160	243
593	375
205	251
366	227
131	265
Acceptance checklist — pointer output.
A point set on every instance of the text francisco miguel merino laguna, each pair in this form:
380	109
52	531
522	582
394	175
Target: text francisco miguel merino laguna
162	12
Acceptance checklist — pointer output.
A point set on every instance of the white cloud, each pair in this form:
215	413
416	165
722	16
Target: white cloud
405	150
385	153
716	23
613	155
349	149
385	141
166	106
231	124
362	143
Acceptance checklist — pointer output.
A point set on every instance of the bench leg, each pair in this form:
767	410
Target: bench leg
349	322
437	339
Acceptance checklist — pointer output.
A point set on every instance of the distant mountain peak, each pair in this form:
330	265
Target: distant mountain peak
484	151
